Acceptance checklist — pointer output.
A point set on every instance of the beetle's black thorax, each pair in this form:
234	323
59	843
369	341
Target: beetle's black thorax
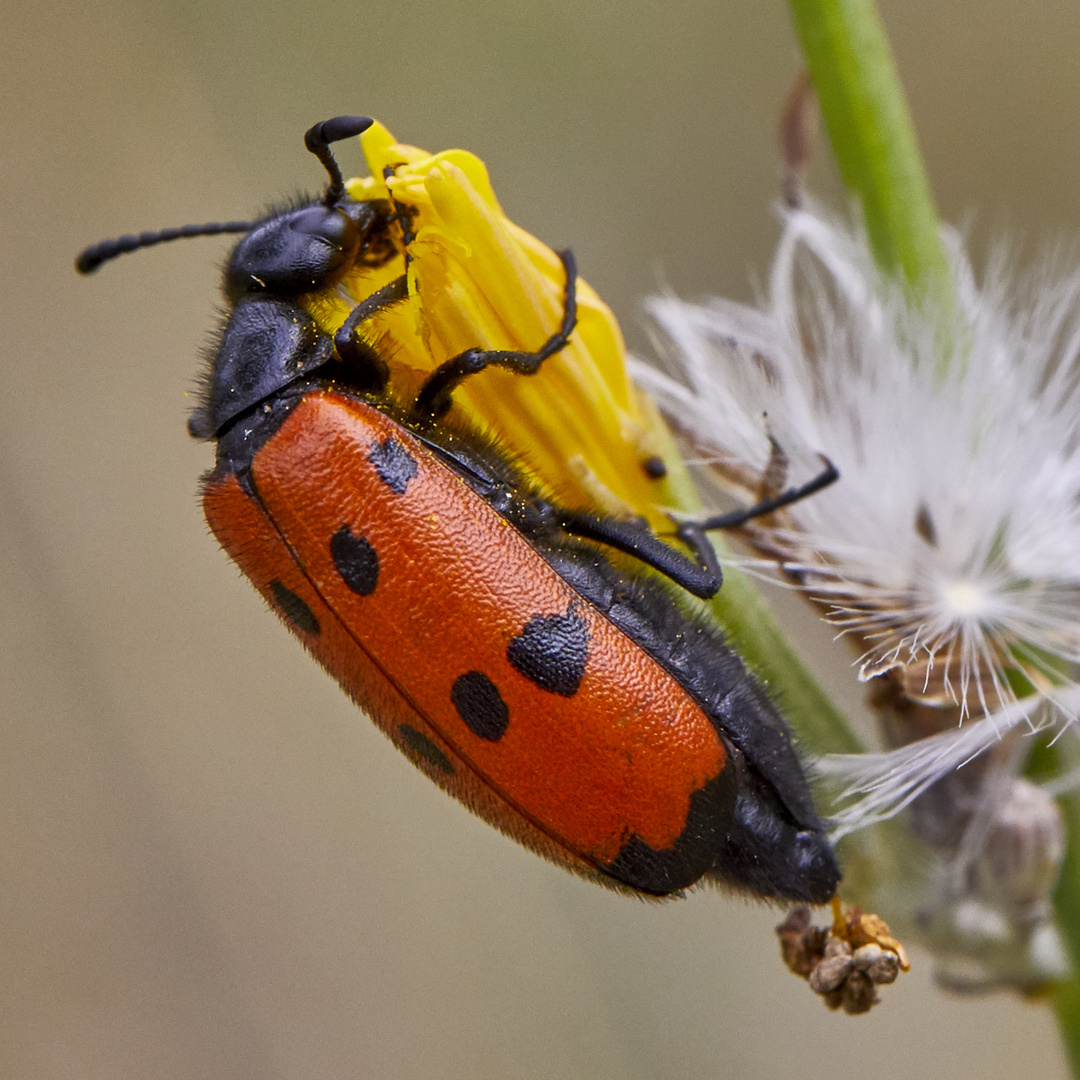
270	340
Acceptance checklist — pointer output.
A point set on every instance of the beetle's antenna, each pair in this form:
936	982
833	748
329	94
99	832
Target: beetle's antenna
90	259
318	140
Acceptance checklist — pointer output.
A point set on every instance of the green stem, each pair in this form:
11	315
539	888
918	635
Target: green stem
1067	910
870	129
1048	761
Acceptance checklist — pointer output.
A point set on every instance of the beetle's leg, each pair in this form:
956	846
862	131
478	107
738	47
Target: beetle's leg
637	539
434	397
403	215
367	369
702	577
693	533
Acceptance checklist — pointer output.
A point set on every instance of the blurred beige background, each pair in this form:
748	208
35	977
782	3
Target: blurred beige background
210	865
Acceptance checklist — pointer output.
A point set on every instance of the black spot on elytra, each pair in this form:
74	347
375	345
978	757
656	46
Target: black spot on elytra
356	560
551	651
709	818
480	705
294	609
418	745
394	464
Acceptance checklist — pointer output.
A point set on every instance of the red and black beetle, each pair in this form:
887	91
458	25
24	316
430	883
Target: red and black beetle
561	693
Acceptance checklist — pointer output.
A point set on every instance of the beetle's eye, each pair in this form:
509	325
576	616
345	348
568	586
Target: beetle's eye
323	223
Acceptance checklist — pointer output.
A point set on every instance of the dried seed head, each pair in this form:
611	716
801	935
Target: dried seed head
842	963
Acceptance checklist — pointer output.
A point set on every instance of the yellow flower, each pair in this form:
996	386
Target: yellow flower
579	425
478	280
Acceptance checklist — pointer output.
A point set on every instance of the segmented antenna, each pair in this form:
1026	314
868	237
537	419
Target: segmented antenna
317	140
96	254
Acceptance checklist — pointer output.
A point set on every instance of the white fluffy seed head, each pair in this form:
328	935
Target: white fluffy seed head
950	548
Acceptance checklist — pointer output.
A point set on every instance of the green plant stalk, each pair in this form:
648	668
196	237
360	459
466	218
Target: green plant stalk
869	126
1045	762
1066	908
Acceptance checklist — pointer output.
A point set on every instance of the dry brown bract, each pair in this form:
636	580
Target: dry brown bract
846	962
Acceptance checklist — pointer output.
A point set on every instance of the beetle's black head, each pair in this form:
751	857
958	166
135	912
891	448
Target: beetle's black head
309	247
299	251
270	340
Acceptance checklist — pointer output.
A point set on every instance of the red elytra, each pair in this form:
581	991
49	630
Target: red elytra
563	696
454	587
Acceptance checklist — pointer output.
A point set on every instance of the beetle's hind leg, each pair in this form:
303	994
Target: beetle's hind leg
702	575
695	533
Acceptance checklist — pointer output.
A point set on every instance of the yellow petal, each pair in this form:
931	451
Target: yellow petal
476	280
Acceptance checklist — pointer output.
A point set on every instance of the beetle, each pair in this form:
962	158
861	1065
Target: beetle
535	660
